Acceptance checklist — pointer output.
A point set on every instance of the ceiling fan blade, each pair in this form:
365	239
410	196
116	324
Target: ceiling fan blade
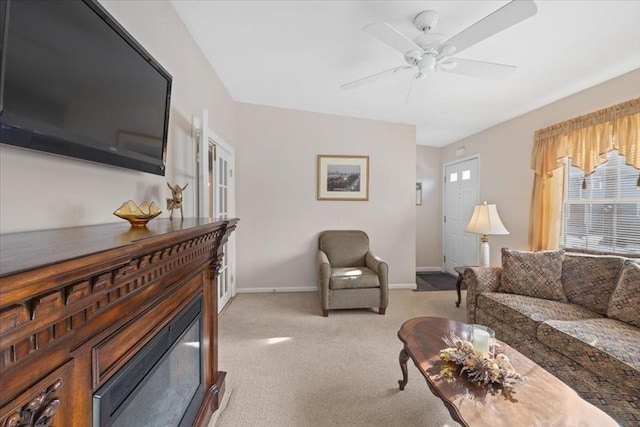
406	100
487	70
503	18
392	37
372	77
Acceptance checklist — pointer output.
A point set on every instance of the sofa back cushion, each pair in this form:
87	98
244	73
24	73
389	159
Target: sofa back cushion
533	274
625	300
589	280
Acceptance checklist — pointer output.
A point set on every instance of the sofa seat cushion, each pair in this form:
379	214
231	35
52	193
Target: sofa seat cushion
607	347
353	278
527	313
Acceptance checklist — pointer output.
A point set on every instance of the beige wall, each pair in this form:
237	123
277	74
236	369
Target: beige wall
280	217
506	178
42	191
429	214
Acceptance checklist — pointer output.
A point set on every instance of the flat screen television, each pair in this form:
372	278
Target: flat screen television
74	82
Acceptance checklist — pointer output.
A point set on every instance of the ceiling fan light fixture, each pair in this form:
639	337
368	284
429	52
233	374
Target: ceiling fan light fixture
447	50
427	63
448	65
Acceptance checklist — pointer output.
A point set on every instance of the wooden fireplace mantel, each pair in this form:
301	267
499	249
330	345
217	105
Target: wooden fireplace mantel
76	304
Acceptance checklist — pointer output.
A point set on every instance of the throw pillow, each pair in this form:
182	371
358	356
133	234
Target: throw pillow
624	304
533	274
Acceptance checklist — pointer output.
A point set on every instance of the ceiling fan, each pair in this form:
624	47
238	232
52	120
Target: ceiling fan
431	52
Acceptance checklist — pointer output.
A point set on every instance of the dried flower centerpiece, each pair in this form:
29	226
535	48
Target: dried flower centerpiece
480	367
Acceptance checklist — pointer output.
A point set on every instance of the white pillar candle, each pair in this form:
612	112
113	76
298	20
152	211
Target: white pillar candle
481	340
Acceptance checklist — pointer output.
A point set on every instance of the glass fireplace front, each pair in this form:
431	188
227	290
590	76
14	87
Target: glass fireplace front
161	385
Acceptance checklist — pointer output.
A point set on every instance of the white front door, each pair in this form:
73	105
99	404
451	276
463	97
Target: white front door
461	194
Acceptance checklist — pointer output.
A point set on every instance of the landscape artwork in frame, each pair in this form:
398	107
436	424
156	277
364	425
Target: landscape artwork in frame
343	177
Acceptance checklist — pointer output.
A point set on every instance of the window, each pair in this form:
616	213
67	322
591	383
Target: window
466	174
605	215
453	177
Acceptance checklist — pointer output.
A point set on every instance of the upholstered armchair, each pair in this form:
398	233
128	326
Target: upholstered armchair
349	275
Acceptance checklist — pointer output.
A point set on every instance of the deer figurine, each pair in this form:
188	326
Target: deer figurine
176	201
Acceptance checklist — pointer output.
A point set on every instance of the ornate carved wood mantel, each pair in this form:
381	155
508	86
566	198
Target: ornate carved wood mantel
76	304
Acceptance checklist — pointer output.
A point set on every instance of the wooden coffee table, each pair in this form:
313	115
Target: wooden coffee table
542	400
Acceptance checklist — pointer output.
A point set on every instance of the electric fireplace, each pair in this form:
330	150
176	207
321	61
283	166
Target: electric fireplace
162	384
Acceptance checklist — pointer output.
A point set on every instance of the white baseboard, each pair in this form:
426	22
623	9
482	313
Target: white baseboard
412	286
279	289
308	289
429	269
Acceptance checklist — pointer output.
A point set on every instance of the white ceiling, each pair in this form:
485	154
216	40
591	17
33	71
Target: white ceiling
296	54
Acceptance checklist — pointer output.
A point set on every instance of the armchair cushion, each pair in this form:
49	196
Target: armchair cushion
353	278
344	248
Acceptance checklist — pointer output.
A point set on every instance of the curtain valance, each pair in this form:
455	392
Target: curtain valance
587	139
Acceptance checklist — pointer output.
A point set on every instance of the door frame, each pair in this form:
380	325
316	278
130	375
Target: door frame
205	136
444	204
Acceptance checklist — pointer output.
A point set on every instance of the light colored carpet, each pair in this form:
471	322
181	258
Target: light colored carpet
289	366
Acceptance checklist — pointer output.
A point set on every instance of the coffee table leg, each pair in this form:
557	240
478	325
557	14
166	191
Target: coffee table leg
404	356
458	283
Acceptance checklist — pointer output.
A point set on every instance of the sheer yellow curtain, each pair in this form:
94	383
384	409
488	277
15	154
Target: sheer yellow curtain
586	139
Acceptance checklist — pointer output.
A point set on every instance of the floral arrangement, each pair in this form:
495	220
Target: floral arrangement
481	368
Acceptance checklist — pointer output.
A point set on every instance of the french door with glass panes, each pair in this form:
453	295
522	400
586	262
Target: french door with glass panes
217	200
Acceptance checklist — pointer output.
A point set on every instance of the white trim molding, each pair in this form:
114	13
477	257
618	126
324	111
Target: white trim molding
439	269
411	286
266	290
262	290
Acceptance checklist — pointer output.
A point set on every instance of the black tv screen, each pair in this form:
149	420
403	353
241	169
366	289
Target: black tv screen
73	82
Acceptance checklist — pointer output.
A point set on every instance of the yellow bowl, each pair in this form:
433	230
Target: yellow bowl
138	216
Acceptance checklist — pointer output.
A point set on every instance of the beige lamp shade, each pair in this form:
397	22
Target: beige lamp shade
485	220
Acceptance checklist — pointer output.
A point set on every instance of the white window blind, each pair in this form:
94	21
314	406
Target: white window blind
604	216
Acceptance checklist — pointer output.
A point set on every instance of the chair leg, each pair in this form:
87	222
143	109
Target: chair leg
325	313
381	310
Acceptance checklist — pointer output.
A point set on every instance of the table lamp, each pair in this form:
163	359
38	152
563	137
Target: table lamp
484	221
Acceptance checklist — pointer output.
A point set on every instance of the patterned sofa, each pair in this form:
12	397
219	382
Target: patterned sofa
576	315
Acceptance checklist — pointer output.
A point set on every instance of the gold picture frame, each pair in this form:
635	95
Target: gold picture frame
343	177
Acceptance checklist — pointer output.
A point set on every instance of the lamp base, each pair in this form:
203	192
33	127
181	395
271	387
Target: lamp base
484	254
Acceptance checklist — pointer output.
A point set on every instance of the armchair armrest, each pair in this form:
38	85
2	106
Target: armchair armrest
381	268
323	269
478	280
376	264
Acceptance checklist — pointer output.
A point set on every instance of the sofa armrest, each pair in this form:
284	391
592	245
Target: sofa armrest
478	280
381	268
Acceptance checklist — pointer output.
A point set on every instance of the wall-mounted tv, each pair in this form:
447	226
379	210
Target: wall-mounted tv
74	82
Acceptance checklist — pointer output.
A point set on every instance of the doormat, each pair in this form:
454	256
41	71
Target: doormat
437	282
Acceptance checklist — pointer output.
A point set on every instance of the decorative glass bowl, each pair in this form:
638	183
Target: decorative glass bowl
138	216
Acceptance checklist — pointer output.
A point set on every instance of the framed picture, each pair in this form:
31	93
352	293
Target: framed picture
343	177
